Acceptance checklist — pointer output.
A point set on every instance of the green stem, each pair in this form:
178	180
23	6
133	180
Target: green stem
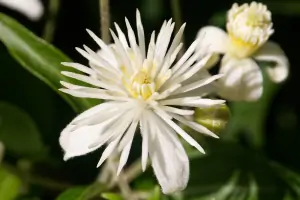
50	26
176	13
105	20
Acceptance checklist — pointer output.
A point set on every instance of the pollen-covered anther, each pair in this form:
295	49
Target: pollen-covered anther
141	85
249	27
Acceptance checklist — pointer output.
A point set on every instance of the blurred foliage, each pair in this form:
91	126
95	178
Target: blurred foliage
10	185
256	157
19	132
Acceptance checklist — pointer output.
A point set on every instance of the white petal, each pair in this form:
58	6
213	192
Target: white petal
145	143
212	40
125	144
178	129
242	80
33	9
141	34
194	125
273	53
169	159
80	136
198	84
77	143
108	56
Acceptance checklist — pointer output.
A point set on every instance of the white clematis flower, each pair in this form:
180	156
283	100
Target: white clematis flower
248	30
33	9
142	89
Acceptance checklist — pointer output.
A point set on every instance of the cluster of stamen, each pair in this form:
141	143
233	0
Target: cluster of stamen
249	27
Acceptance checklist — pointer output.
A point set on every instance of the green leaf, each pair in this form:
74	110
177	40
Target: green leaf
38	57
10	185
248	119
112	196
156	194
82	192
229	171
291	178
19	133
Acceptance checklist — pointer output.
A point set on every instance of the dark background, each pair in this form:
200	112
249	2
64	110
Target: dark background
51	113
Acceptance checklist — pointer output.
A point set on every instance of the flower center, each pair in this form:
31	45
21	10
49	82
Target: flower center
141	78
140	84
249	27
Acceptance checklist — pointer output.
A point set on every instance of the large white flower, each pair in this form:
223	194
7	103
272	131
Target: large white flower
141	89
248	30
33	9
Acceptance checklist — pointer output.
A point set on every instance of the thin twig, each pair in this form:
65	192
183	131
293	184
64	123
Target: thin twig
105	20
176	13
120	180
50	26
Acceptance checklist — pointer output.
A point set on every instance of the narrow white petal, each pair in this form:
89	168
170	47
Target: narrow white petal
195	126
177	110
186	55
98	62
141	34
197	84
91	81
122	52
97	109
70	85
128	142
191	101
102	45
242	80
108	57
79	67
133	44
181	132
151	47
189	72
273	53
121	36
169	160
108	151
145	143
93	93
176	40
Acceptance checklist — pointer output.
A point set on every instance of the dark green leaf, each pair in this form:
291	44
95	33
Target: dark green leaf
235	171
19	133
10	185
112	196
82	193
291	178
40	58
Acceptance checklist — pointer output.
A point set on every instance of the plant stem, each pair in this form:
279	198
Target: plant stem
105	20
50	26
176	13
111	166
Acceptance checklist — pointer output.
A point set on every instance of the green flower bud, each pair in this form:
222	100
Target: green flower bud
214	118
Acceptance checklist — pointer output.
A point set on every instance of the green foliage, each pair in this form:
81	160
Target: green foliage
40	58
10	185
229	171
19	133
82	192
112	196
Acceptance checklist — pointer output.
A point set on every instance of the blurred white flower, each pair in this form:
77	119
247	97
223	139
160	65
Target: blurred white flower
141	89
33	9
248	30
